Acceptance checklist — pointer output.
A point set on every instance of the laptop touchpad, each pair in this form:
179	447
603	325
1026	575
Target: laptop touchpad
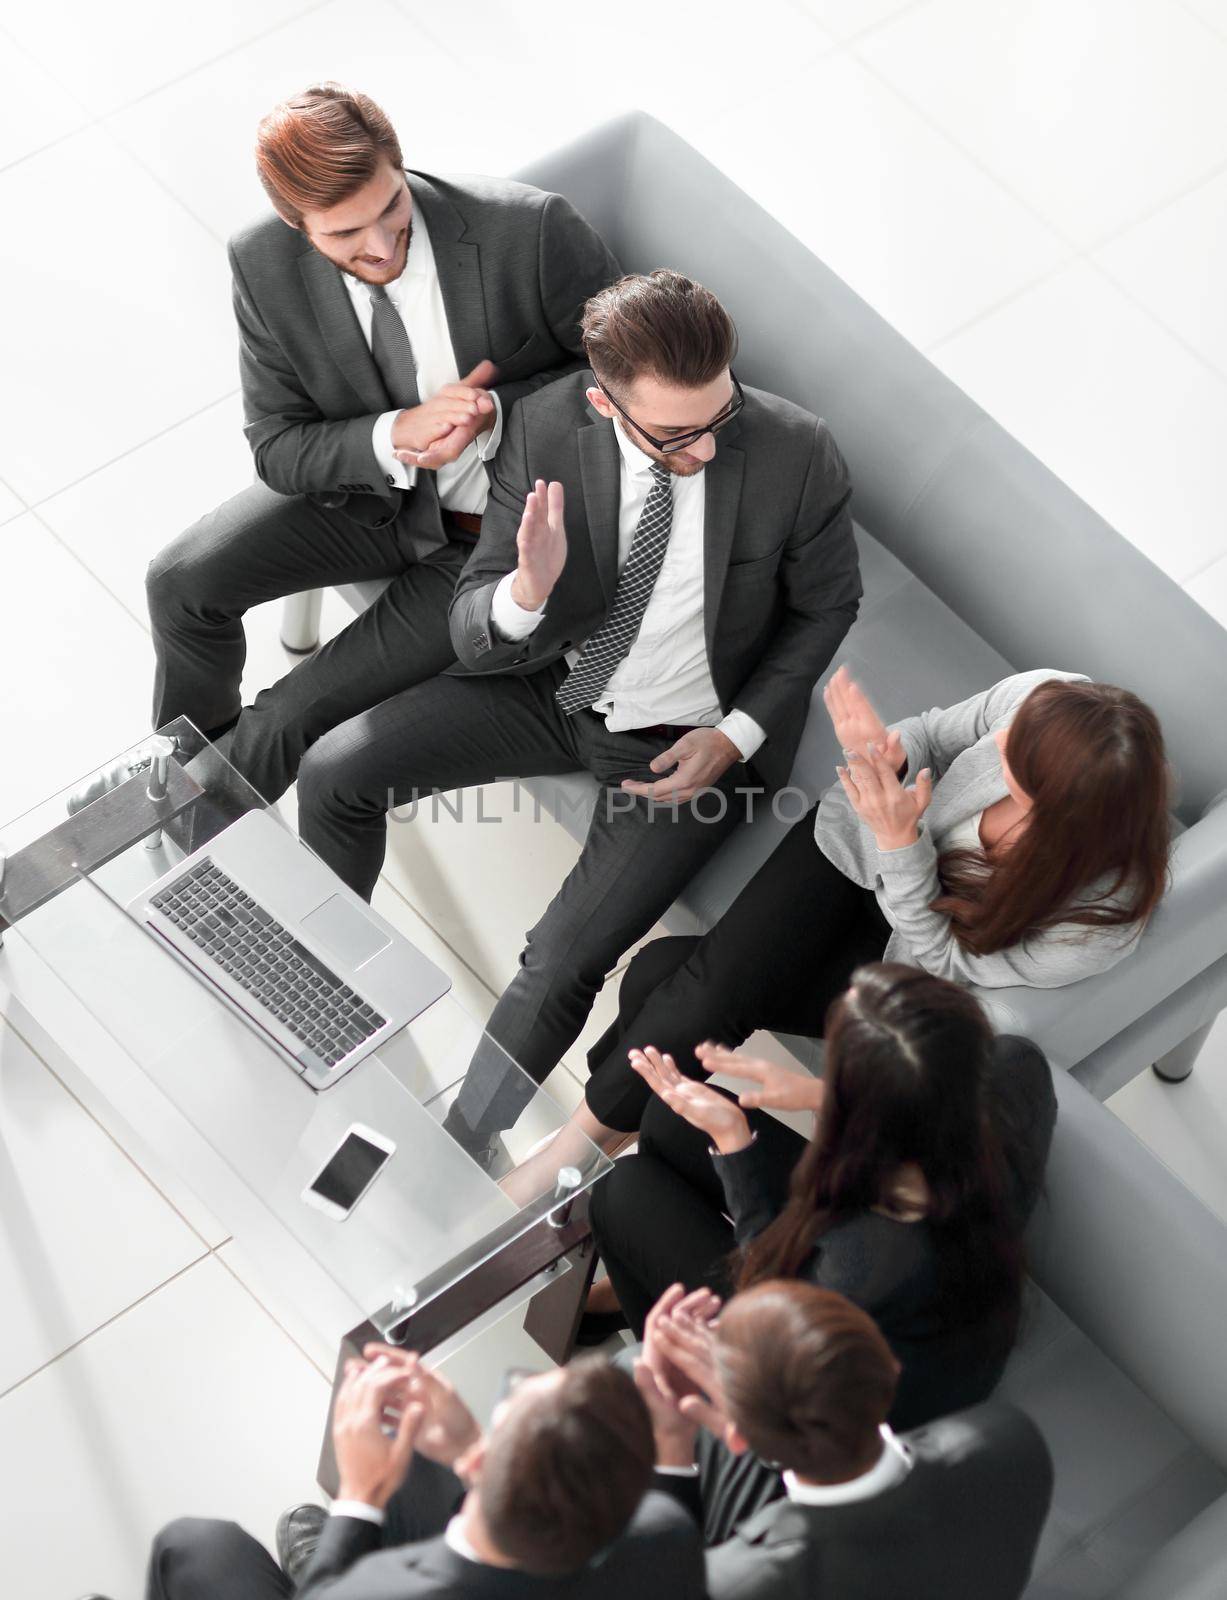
339	927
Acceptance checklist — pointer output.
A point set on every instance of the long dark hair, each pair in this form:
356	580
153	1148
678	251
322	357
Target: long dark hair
907	1075
1091	759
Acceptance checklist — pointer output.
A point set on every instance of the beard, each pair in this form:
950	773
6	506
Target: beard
385	275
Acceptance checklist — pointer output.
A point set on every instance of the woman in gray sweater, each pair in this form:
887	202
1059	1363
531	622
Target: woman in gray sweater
1020	837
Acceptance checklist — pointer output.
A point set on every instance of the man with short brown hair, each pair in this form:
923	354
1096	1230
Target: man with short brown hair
387	319
771	1429
554	1501
666	567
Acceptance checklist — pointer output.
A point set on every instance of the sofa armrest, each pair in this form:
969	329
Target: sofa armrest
1186	934
1192	1566
1135	1259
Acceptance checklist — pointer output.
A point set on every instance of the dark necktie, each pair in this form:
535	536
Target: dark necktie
392	351
609	644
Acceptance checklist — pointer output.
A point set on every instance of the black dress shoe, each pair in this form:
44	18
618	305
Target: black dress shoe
597	1326
298	1533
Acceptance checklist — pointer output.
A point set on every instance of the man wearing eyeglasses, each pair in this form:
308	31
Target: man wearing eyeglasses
665	569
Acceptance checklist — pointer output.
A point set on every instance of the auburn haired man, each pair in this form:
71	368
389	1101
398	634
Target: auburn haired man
387	320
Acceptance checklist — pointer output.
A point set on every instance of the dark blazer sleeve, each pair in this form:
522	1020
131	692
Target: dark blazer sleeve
820	576
343	1541
477	644
747	1193
573	264
1023	1108
296	450
684	1489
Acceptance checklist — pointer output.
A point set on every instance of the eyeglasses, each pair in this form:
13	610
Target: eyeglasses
679	441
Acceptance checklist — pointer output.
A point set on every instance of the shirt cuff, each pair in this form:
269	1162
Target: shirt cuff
488	443
741	728
358	1509
692	1471
395	473
509	617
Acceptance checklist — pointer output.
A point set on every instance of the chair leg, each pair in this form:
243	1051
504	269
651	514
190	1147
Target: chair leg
300	621
1177	1064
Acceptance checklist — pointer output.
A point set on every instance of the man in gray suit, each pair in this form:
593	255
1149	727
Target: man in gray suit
665	569
551	1504
387	320
770	1427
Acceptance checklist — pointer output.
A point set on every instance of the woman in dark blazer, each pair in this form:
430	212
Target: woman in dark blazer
927	1158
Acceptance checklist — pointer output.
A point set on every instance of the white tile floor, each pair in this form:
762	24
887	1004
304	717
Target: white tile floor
1036	195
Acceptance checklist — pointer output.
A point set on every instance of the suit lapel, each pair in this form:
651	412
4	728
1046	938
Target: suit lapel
458	263
338	324
721	501
600	472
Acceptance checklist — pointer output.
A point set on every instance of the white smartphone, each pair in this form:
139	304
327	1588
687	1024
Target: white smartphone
349	1172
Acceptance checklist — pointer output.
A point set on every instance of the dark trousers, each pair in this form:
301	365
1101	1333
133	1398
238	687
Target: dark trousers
200	1558
779	955
658	1215
262	546
456	732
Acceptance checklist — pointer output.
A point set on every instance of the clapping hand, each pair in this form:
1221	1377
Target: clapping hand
891	812
374	1428
447	1428
857	725
442	428
705	1108
777	1088
672	1398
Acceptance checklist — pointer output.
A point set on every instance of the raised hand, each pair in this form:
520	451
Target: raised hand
776	1088
856	723
890	811
541	545
703	1107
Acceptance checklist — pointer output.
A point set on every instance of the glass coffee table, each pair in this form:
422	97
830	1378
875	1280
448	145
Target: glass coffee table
436	1243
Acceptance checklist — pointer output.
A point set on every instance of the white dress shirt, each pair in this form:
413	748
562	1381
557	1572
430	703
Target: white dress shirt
891	1467
664	676
416	294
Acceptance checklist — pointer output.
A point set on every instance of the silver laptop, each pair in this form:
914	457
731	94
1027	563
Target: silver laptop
294	951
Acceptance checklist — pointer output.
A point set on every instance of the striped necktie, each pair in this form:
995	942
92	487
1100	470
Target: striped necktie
609	644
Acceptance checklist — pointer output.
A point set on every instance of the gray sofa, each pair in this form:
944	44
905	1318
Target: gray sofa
978	562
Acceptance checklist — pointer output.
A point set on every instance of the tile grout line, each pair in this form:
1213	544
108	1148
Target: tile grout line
109	1322
179	422
7	1022
268	1312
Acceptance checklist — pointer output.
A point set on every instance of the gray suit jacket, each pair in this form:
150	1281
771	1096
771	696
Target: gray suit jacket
957	744
963	1525
781	579
660	1553
515	268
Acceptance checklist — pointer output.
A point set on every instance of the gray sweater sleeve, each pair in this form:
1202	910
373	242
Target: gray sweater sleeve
1045	960
934	738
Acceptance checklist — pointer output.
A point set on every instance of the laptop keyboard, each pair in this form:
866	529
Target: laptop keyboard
281	974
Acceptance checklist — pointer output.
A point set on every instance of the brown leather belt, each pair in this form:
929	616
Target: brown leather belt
466	522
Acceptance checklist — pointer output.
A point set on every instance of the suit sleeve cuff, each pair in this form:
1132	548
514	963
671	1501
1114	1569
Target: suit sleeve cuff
745	733
488	443
512	620
359	1510
395	473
